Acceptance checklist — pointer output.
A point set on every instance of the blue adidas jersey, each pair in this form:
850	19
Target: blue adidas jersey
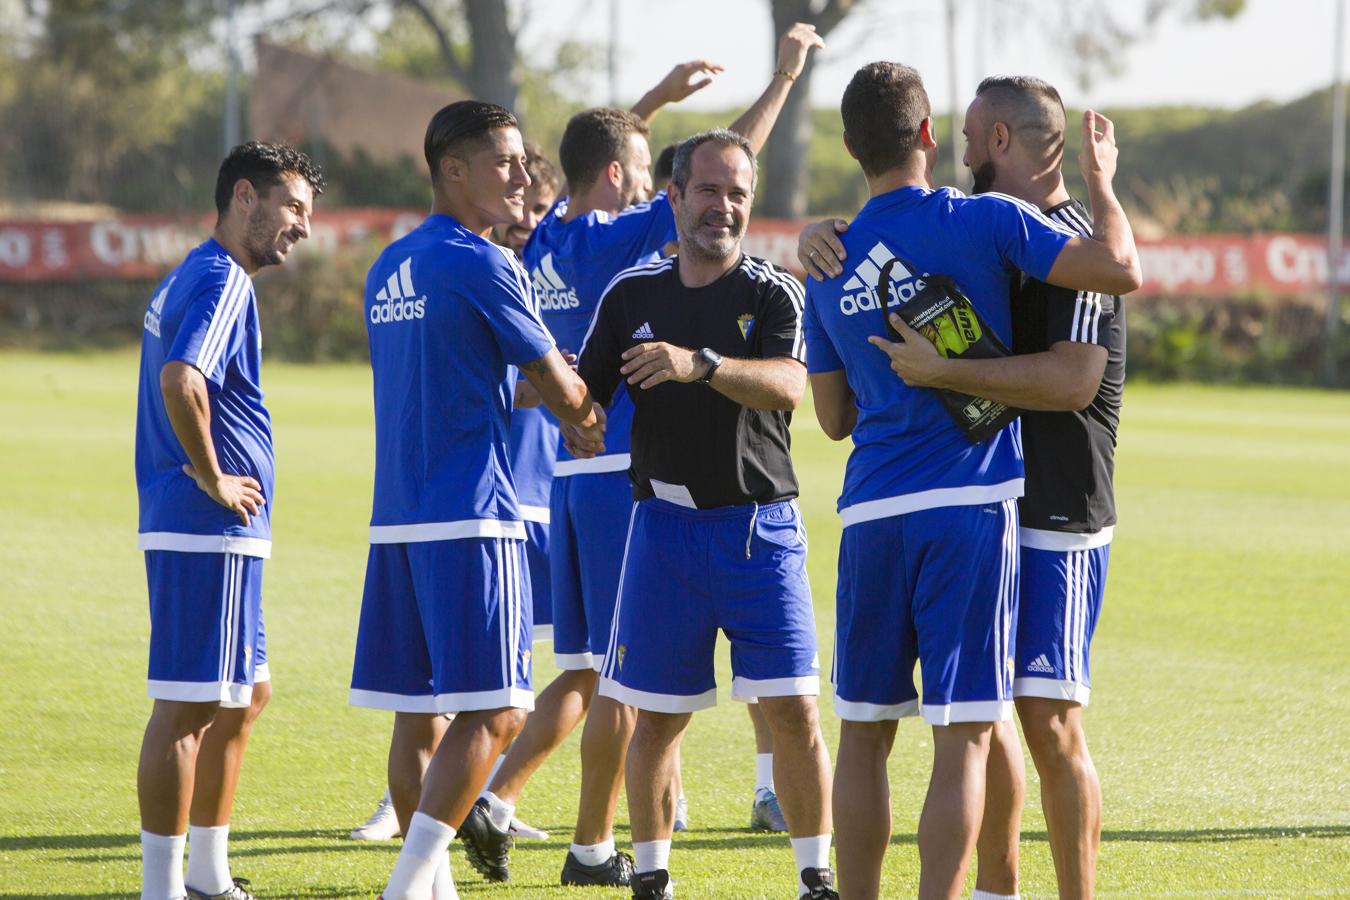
571	264
448	314
534	449
908	454
204	314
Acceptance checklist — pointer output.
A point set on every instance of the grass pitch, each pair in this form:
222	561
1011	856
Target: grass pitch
1220	702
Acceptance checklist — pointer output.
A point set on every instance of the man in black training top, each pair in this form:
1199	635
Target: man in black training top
710	345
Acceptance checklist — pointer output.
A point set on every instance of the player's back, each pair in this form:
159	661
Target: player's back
571	262
204	314
435	304
904	440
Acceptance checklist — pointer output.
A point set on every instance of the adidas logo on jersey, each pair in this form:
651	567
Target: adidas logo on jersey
644	332
397	301
156	309
549	288
1041	664
860	291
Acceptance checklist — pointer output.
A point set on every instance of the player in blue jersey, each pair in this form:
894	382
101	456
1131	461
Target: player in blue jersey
534	442
928	563
204	471
590	236
445	617
1068	375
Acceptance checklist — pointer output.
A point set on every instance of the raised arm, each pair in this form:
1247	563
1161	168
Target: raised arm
836	410
1109	261
681	81
756	122
188	405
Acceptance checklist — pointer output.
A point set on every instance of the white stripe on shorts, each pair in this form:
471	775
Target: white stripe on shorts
1011	560
611	651
501	607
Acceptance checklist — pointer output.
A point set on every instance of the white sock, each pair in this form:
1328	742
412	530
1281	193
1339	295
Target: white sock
763	772
424	848
810	853
493	774
162	865
443	884
208	868
990	895
594	854
651	856
499	811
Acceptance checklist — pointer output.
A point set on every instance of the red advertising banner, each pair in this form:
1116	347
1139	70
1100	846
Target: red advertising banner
147	246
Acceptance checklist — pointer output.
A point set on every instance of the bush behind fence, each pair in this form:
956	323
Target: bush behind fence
312	312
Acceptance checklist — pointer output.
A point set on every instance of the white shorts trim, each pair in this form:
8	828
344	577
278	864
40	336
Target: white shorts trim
660	703
227	693
1063	541
447	531
261	674
972	495
573	662
260	548
542	633
856	711
1052	689
615	462
972	711
537	514
748	690
440	704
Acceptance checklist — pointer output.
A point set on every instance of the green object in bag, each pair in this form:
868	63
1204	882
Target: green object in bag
947	318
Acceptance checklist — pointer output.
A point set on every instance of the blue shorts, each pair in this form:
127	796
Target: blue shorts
445	627
937	587
687	573
206	627
541	598
589	517
1061	599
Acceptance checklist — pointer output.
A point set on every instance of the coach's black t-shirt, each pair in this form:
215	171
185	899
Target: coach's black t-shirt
1070	455
691	435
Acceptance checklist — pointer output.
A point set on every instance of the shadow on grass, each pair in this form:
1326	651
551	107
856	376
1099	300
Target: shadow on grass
698	838
321	891
1194	835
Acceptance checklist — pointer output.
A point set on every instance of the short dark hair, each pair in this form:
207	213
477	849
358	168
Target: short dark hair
1031	108
664	166
593	139
883	107
456	126
264	165
680	169
541	169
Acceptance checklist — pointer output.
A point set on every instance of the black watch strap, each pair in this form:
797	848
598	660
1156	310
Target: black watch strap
713	360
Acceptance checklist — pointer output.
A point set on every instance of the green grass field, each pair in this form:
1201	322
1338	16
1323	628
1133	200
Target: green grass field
1221	684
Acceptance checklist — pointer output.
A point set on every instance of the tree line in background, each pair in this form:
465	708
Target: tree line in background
120	104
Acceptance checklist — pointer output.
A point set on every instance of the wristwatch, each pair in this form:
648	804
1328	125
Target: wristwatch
712	359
